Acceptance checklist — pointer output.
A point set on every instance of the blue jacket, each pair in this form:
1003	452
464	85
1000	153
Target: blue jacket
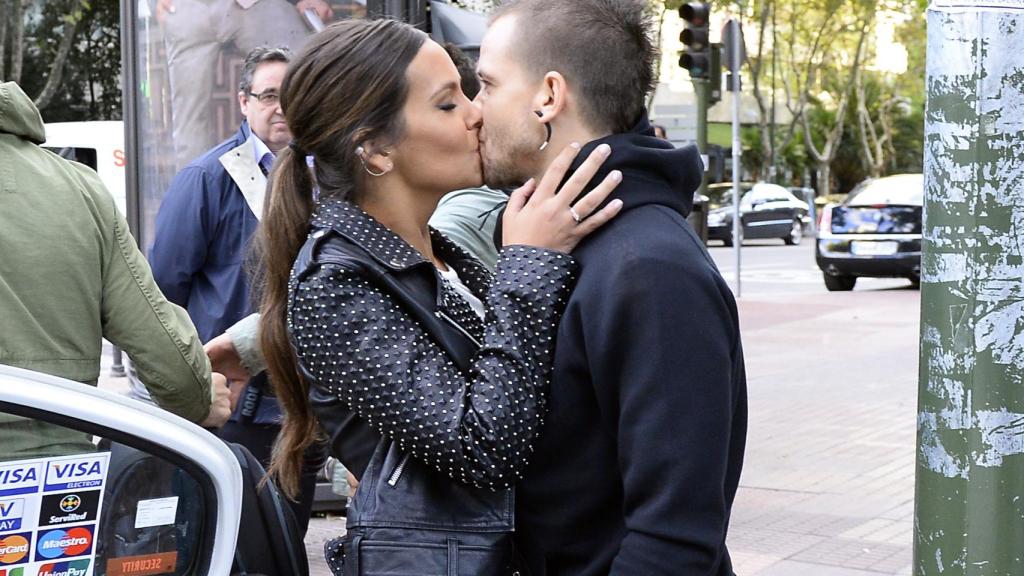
202	236
639	460
203	230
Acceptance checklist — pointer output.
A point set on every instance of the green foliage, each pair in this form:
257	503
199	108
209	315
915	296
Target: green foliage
90	88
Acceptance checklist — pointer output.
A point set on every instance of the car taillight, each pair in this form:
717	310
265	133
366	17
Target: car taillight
825	218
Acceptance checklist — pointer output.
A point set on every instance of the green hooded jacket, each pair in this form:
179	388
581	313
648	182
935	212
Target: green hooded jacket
71	275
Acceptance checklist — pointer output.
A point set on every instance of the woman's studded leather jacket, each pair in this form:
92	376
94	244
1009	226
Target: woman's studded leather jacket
360	323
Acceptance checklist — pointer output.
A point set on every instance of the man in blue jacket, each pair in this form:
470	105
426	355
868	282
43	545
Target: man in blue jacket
639	460
203	232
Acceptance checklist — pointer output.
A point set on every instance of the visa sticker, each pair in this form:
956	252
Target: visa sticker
64	543
72	568
11	513
14	547
82	472
19	479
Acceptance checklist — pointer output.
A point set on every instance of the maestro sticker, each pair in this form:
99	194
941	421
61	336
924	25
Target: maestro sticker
14	547
61	543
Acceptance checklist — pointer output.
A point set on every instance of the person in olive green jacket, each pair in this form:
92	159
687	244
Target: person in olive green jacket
71	275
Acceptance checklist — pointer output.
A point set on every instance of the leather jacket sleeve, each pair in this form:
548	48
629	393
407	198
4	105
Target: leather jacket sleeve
476	426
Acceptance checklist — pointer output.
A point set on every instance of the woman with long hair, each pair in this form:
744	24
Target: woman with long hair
426	373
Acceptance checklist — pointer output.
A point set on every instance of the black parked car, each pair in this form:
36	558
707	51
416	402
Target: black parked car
766	211
875	232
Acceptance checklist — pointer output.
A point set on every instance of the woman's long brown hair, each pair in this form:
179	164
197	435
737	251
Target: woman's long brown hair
348	86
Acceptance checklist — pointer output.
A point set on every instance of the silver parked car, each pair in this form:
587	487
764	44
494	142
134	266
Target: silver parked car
875	232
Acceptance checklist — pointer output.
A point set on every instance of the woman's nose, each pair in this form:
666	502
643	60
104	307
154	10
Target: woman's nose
474	119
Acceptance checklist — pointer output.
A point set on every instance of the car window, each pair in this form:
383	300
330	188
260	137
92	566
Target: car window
78	502
906	189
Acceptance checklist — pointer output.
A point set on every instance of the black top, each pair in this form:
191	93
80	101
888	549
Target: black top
639	461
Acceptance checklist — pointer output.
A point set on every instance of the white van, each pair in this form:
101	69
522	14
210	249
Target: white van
99	145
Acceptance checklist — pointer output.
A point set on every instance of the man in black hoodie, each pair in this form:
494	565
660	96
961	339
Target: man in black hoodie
638	463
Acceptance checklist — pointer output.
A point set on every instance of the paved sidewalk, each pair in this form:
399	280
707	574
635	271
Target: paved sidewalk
828	485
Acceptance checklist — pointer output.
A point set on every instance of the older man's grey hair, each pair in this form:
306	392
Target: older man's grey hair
257	56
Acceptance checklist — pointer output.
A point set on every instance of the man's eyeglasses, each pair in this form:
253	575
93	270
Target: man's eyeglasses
267	97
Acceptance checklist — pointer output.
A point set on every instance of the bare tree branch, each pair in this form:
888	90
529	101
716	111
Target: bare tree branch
57	66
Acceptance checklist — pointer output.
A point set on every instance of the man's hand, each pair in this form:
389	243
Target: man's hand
163	8
322	9
224	358
220	409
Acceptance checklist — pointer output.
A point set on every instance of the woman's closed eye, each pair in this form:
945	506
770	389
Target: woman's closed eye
447	107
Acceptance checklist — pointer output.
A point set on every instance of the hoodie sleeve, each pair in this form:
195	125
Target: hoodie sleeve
666	363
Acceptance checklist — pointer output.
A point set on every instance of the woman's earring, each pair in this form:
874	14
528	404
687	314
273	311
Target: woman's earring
547	125
361	153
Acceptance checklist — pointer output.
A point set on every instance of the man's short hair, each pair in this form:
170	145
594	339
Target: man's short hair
257	56
604	48
467	69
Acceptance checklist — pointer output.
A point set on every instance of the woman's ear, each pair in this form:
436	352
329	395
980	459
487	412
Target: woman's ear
375	159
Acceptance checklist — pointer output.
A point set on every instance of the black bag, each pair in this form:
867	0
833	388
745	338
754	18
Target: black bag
269	543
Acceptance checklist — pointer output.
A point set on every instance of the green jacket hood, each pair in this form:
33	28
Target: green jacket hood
18	115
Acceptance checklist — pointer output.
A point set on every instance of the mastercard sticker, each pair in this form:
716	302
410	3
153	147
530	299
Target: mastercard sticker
14	548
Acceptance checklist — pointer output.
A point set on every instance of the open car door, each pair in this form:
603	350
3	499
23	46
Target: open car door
95	484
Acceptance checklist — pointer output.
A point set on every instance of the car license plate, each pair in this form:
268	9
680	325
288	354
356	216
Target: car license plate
867	248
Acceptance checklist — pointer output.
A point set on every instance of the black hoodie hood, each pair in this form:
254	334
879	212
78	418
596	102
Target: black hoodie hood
653	171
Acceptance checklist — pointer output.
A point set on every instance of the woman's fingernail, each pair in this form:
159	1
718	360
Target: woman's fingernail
615	175
604	149
575	145
616	203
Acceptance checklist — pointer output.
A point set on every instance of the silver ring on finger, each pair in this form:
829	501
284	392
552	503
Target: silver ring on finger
575	215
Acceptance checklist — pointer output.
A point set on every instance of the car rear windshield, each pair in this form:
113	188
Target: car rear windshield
905	189
876	220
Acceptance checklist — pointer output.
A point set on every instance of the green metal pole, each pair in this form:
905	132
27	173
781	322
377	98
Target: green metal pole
700	88
970	458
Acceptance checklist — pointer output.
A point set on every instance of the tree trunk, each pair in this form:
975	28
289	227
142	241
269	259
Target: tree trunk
824	177
17	39
57	66
4	17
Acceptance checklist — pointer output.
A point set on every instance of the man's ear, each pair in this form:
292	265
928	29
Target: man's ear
552	97
243	103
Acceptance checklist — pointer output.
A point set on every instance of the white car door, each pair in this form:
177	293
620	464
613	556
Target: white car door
95	484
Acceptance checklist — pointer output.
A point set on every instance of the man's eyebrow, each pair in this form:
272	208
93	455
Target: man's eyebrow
446	88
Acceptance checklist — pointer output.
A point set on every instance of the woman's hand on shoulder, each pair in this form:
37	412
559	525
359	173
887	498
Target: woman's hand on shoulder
542	215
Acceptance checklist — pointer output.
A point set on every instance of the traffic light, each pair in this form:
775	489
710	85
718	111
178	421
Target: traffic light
696	57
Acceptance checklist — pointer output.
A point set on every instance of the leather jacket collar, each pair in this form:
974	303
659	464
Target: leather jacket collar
389	249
